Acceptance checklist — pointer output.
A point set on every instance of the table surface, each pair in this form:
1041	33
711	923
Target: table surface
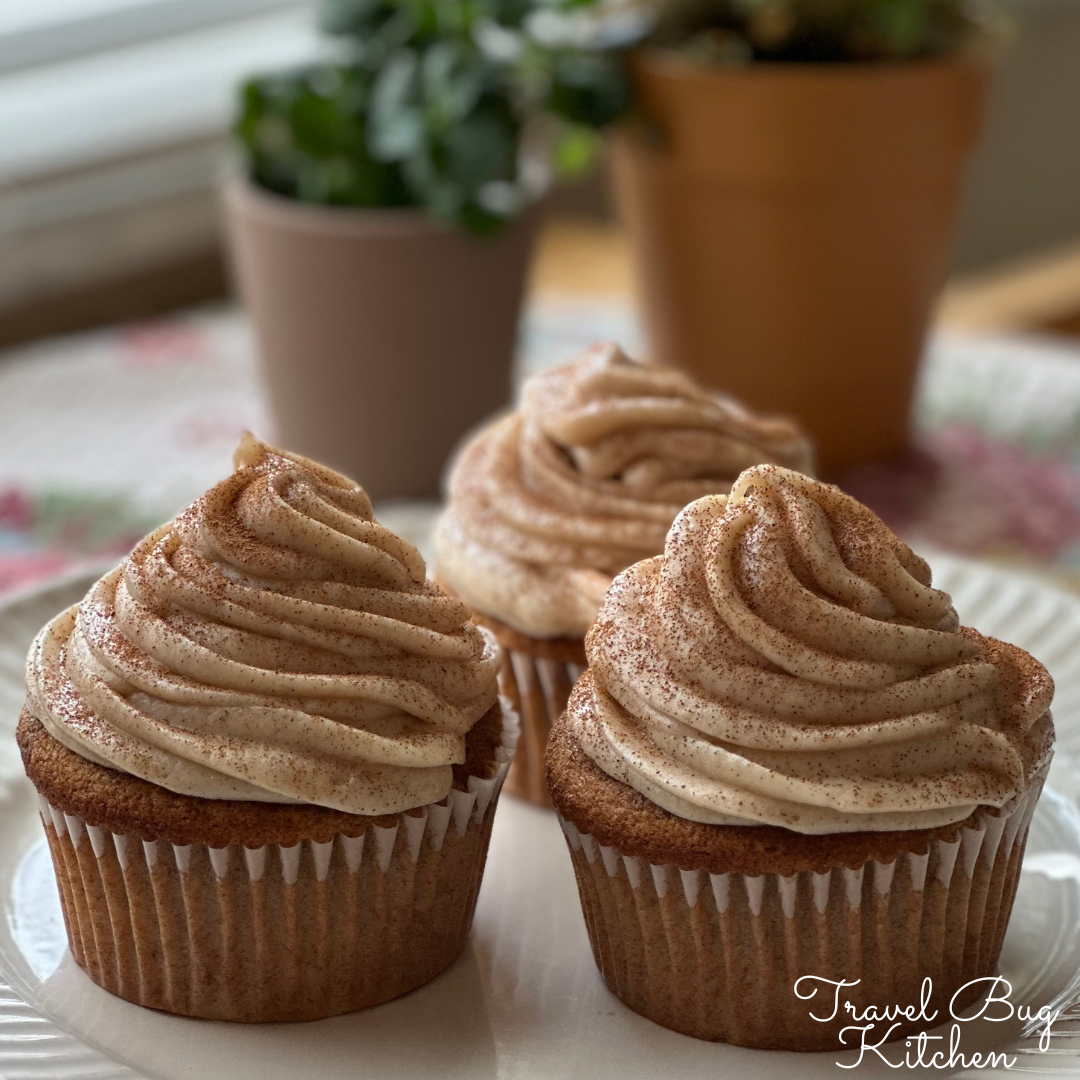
104	435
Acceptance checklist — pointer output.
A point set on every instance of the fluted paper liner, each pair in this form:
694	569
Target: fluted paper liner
539	687
717	955
277	933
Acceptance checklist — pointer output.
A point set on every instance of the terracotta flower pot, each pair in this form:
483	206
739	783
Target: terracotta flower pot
792	225
383	336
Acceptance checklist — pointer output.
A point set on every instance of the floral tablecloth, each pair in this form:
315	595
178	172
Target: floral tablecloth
104	435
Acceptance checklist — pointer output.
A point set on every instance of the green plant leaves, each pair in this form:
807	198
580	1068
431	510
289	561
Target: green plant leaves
576	150
396	117
453	79
436	98
429	109
350	16
483	146
305	137
819	31
900	27
588	88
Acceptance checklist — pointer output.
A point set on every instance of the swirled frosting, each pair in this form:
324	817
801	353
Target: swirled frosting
273	643
787	662
549	502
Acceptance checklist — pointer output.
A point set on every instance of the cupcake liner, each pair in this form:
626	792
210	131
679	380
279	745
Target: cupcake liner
277	933
717	956
539	687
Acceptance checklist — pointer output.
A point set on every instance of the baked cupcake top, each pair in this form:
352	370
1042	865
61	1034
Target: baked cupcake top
787	662
273	643
549	502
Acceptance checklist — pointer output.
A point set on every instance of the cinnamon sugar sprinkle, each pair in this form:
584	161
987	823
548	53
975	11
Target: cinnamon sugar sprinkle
274	643
549	502
787	662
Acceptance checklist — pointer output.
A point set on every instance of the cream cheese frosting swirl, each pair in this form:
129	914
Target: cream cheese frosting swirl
273	643
787	662
549	502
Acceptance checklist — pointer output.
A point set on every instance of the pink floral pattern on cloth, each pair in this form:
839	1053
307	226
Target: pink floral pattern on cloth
104	435
995	470
46	534
966	492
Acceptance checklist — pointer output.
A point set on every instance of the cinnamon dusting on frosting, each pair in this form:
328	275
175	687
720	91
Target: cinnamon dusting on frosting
787	662
548	503
273	643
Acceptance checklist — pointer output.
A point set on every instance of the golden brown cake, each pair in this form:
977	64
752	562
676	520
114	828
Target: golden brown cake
548	503
268	753
788	761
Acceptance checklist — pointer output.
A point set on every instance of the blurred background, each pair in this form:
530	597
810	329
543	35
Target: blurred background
116	115
129	364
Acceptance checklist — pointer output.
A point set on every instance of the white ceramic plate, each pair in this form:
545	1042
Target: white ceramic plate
525	1001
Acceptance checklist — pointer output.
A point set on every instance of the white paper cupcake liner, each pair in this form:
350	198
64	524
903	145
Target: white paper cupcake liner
717	955
277	933
540	687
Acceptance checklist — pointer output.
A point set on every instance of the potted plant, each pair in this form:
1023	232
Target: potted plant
790	183
382	225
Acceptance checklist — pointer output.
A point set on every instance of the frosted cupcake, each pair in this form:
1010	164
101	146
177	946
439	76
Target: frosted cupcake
268	752
788	760
548	503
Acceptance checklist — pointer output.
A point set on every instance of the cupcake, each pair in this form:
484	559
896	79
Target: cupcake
548	503
268	752
788	763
